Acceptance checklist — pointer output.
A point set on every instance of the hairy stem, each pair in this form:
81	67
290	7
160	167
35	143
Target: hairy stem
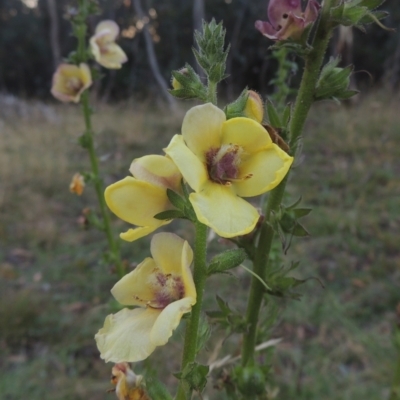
80	31
98	185
303	104
212	92
395	392
192	326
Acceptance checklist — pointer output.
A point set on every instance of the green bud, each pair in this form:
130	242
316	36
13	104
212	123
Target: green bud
334	81
249	380
227	260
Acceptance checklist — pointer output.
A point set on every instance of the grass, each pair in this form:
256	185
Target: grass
54	286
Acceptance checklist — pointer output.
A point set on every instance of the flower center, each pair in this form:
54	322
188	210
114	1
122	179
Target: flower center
74	84
167	289
223	163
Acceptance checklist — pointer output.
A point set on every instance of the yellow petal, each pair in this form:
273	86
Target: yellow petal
125	335
267	167
134	234
136	201
166	249
85	75
187	277
246	133
169	319
108	28
201	128
112	56
218	207
135	288
158	170
192	169
70	81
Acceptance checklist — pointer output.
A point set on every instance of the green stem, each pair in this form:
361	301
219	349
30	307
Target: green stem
192	326
395	392
80	31
212	92
257	289
303	104
98	185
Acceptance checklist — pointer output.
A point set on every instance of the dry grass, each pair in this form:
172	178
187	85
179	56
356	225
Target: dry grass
336	342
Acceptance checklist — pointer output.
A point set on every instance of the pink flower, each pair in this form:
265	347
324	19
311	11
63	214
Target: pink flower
287	20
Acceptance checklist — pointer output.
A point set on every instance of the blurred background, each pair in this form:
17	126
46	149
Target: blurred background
35	35
54	284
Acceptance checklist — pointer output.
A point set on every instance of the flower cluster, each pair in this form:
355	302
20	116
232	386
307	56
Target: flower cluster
222	161
70	81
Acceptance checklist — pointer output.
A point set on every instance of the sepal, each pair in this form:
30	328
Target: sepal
358	13
236	109
334	81
187	84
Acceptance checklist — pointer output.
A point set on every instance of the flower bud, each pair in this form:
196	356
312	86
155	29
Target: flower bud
175	84
254	106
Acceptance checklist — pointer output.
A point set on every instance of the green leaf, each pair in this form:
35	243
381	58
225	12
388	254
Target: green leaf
299	230
176	200
273	115
372	17
371	4
204	333
170	214
223	305
195	376
301	212
227	260
156	389
287	114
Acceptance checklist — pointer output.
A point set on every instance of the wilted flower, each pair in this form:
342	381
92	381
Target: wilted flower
70	81
139	198
77	184
128	384
104	49
223	161
163	289
287	20
254	106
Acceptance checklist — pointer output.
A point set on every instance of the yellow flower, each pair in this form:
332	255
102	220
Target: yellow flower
70	81
223	161
128	384
163	289
137	199
77	184
104	49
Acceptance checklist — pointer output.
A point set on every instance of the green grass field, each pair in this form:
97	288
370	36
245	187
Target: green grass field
54	286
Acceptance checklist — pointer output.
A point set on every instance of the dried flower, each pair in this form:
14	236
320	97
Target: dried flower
77	184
